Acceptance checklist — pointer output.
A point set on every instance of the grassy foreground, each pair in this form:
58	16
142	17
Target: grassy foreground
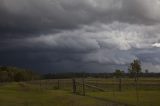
148	93
45	93
21	94
146	98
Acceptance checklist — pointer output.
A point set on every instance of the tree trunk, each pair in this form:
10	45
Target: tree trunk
83	82
120	84
74	85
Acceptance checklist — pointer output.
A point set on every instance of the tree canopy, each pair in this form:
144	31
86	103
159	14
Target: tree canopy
135	68
8	74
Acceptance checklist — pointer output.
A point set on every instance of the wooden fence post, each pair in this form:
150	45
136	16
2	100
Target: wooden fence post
83	85
113	87
46	84
58	84
137	93
120	84
40	84
74	85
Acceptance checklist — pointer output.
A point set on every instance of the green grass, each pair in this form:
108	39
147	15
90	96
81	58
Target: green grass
146	98
22	94
45	93
148	91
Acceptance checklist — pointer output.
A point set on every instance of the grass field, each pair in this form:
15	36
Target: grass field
46	93
148	92
146	98
22	94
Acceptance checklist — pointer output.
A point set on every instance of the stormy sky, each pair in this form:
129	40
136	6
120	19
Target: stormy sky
79	35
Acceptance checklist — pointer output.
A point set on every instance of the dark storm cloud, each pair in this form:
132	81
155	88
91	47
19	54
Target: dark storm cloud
88	35
39	16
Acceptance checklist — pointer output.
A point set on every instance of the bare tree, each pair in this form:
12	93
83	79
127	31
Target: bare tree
119	74
135	69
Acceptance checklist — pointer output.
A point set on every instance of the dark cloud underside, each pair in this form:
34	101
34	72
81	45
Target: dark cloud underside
79	35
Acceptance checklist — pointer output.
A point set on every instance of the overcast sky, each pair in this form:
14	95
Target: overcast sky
79	35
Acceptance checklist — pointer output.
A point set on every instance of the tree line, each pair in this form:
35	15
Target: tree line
134	71
9	74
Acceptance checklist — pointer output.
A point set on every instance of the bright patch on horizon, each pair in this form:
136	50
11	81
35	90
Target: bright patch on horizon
156	45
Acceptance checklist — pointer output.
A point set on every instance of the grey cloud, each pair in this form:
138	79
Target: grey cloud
151	67
39	16
84	34
112	57
101	43
122	36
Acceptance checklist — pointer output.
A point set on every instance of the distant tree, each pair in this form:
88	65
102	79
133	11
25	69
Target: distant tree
135	68
118	73
19	77
3	68
146	71
3	76
8	74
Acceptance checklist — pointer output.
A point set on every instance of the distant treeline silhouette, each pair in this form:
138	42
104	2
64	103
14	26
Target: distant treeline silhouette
94	75
8	74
